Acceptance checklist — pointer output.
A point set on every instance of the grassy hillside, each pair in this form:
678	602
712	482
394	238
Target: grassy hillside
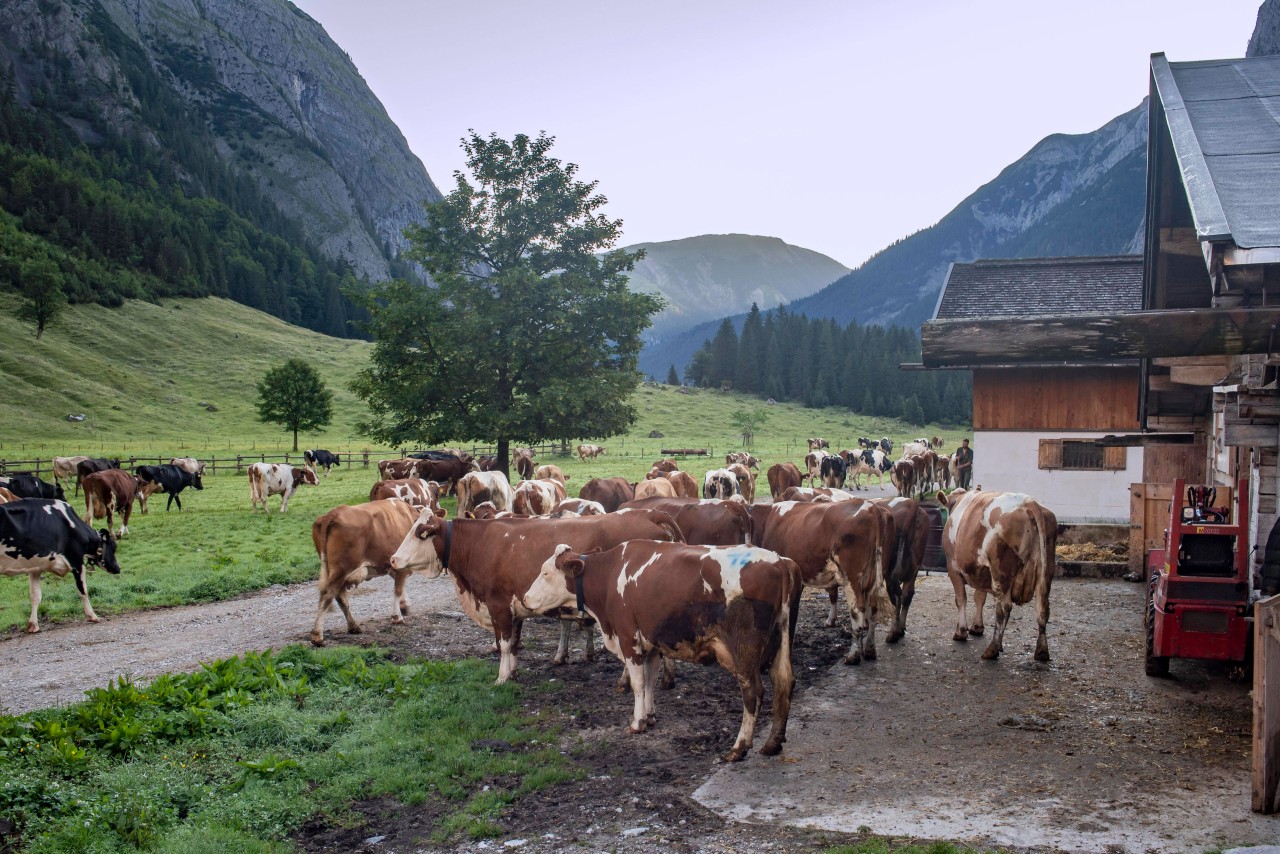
140	374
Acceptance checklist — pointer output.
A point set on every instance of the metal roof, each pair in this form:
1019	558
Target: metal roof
1224	122
1042	286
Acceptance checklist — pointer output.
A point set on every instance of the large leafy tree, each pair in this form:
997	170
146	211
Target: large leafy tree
294	396
529	332
43	297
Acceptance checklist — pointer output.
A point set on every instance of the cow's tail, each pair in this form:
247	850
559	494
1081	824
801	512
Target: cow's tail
670	528
320	537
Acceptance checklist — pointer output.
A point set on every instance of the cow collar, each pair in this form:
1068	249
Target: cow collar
578	590
448	544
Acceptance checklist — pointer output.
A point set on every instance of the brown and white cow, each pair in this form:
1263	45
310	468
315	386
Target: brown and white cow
734	606
813	465
550	473
477	486
912	527
64	469
578	507
707	522
6	496
658	487
1003	542
589	452
742	458
818	444
523	460
903	475
841	545
493	562
682	482
781	477
663	466
267	479
537	497
415	491
942	471
107	493
355	543
610	492
746	481
399	469
816	493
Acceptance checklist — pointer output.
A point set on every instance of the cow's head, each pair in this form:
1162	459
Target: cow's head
554	587
105	555
196	482
950	501
306	475
418	551
59	494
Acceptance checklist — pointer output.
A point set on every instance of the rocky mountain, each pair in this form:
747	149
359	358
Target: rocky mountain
284	103
702	277
1266	32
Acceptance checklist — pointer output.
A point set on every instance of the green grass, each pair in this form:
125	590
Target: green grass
237	756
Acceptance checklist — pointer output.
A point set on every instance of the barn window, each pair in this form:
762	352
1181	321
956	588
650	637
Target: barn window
1080	455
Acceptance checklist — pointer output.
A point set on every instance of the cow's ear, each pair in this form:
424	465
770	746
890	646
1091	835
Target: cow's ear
420	531
941	497
441	512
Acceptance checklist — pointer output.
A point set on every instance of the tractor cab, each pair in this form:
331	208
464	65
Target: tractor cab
1198	595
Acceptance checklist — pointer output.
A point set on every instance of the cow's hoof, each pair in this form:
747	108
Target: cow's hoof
636	729
355	630
317	641
869	654
977	630
397	620
93	619
961	636
771	748
736	755
990	654
558	660
894	637
33	630
1042	655
853	659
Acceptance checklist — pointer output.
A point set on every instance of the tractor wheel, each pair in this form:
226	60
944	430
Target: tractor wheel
1155	665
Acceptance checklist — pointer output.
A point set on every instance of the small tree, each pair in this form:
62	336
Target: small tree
294	396
748	422
672	377
44	299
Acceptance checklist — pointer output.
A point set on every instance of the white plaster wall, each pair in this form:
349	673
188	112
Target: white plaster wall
1006	461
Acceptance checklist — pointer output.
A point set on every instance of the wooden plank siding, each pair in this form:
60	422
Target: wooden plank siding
1056	399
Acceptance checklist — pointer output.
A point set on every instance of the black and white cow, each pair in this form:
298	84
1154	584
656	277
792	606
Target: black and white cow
170	479
832	471
864	442
320	458
886	445
30	486
38	535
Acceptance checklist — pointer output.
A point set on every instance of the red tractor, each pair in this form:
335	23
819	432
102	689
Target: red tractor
1199	595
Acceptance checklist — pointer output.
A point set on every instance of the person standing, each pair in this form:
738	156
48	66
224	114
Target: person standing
964	464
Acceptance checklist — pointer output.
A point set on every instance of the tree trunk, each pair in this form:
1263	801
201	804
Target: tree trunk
503	463
39	330
295	440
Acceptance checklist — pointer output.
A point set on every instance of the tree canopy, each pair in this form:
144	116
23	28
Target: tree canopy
294	396
529	332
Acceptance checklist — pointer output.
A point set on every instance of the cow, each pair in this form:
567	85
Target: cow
30	486
818	444
523	459
820	493
88	466
318	458
190	464
903	476
586	452
837	545
549	472
912	524
39	535
886	445
1001	542
64	470
855	466
355	543
578	507
477	486
398	469
935	442
415	491
658	487
867	444
6	496
167	479
107	493
831	471
685	485
746	481
441	454
704	604
813	465
923	440
487	462
782	476
267	479
719	483
707	522
537	497
946	470
610	492
913	449
663	466
446	470
742	458
494	562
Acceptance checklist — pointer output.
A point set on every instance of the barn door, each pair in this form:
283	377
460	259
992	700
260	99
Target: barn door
1164	463
1148	517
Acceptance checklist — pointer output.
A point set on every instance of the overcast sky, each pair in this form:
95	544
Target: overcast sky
836	125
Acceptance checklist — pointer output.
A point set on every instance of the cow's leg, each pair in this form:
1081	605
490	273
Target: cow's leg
588	641
284	503
962	623
666	679
1003	607
353	628
1042	617
782	678
400	603
833	593
977	627
652	667
752	695
33	585
858	612
635	674
906	593
506	629
84	594
562	651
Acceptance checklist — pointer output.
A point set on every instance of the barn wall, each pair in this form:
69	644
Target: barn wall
1056	399
1005	461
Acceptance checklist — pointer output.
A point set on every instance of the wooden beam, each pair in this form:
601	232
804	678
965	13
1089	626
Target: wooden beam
1099	337
1266	705
1209	375
1180	241
1251	435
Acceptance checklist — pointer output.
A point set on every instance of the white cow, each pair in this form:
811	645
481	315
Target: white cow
720	483
267	479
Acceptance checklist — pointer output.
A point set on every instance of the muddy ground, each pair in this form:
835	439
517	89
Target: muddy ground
928	742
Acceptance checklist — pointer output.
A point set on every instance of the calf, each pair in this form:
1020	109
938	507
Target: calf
477	486
319	458
703	604
40	535
1003	542
719	483
30	486
782	476
109	492
550	473
355	543
494	562
414	491
64	470
610	492
267	479
89	465
167	479
537	497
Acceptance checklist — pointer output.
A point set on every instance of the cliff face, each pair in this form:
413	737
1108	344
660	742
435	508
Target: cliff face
283	100
1266	33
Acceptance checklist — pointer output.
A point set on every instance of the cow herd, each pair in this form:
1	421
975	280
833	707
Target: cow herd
919	472
664	567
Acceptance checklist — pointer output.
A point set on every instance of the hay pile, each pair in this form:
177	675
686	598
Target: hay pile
1097	552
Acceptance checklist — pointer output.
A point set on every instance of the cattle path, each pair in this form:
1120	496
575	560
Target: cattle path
57	665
